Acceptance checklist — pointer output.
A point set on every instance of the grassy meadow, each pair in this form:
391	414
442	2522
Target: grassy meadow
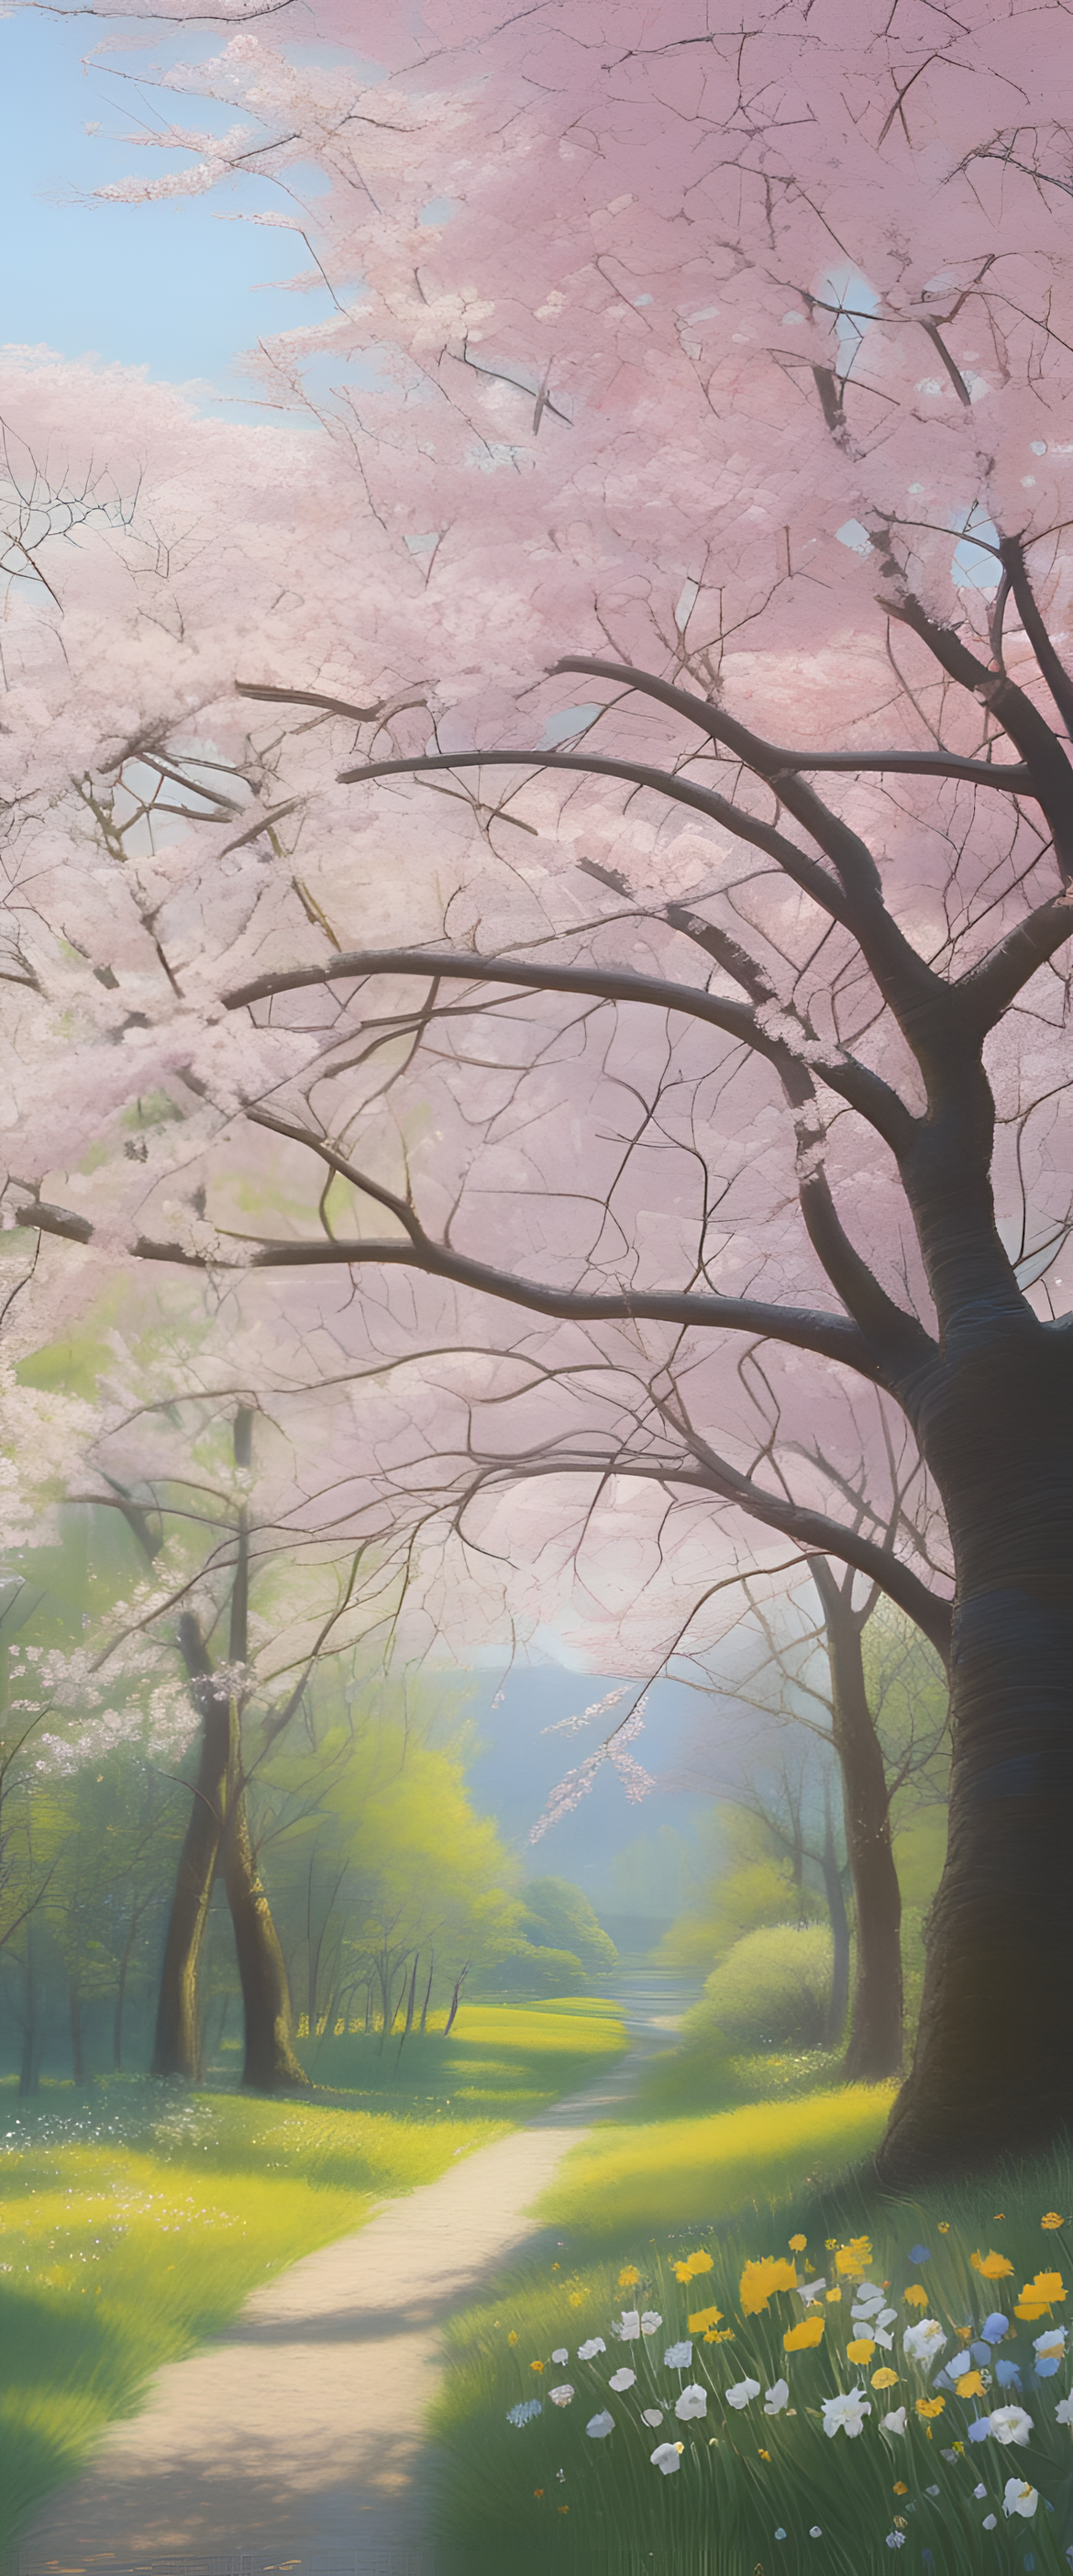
138	2216
652	2223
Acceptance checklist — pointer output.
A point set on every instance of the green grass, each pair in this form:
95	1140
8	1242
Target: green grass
136	2219
671	2172
552	2498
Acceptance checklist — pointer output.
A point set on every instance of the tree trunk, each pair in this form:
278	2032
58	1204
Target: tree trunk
30	2056
74	2023
269	2059
875	2040
423	2023
177	2043
836	1908
992	2073
459	1982
121	1990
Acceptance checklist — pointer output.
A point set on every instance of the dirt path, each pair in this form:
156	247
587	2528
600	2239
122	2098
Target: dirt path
293	2438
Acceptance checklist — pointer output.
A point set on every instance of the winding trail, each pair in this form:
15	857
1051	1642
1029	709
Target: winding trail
294	2437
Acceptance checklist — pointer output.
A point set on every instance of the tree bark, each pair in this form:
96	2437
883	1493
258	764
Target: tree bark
840	1936
74	2019
177	2040
269	2059
992	2073
875	2040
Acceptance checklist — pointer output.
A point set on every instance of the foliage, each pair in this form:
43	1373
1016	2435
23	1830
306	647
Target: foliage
559	1916
746	1887
670	2172
764	2482
136	2222
770	1990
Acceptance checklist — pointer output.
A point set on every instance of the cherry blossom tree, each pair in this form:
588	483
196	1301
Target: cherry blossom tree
710	1020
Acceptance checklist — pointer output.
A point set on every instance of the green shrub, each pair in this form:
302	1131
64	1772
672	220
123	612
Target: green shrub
558	1916
771	1991
525	1969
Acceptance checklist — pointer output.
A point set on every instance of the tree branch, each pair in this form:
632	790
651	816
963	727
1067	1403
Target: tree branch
1052	777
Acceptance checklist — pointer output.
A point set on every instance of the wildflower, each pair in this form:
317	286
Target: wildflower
599	2426
944	2227
692	2264
1051	2218
562	2395
797	2246
884	2378
923	2342
930	2405
538	2492
830	2242
1051	2343
894	2422
920	2254
1020	2497
630	2329
861	2349
704	2318
1036	2296
652	2415
668	2457
915	2297
835	2296
979	2428
724	2334
628	2278
900	2488
742	2393
1007	2374
780	2534
760	2280
577	2298
801	2338
989	2522
524	2413
816	2532
807	2290
1010	2424
972	2386
845	2412
536	2365
776	2398
651	2321
991	2266
621	2380
958	2364
852	2258
512	2337
1064	2412
763	2455
678	2356
693	2401
994	2327
895	2539
588	2351
562	2354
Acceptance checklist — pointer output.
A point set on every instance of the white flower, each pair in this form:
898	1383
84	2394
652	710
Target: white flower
668	2458
524	2413
894	2422
678	2356
652	2415
807	2290
693	2401
562	2354
979	2491
879	2335
816	2532
958	2364
780	2534
562	2395
989	2522
599	2426
1064	2411
865	2298
651	2321
846	2412
895	2539
922	2342
742	2392
775	2398
622	2379
1019	2497
1010	2424
629	2330
1052	2342
588	2351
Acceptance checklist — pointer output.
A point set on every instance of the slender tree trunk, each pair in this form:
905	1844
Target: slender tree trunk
177	2042
875	2040
459	1982
74	2024
121	1992
269	2060
30	2056
836	1908
992	2072
423	2023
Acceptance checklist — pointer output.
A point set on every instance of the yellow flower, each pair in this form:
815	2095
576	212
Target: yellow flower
704	2317
577	2298
944	2227
834	2298
884	2378
512	2337
930	2405
798	2243
1037	2296
861	2350
536	2365
628	2278
759	2280
971	2384
538	2492
700	2263
992	2266
725	2335
801	2338
900	2487
830	2243
915	2297
763	2455
852	2259
1050	2218
998	2213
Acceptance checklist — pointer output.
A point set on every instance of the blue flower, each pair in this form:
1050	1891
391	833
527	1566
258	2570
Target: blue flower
994	2327
524	2413
920	2254
1044	2369
982	2355
1007	2374
979	2428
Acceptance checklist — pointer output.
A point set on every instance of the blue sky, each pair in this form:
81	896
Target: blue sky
166	287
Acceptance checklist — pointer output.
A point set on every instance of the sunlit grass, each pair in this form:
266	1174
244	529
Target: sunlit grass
676	2171
138	2218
